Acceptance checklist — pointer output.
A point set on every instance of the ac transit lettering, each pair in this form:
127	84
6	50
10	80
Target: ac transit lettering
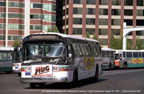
41	70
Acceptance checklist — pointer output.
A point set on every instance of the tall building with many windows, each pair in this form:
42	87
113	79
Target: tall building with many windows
102	17
19	18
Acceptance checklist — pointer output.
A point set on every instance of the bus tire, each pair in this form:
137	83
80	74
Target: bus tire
110	66
75	78
125	65
96	74
32	85
19	74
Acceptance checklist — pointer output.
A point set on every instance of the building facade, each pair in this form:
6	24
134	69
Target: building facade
19	18
102	17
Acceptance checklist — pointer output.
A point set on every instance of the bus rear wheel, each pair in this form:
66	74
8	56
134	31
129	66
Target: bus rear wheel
110	66
32	85
75	80
96	74
125	66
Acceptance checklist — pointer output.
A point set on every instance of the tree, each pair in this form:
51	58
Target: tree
49	30
94	36
87	35
113	42
16	43
139	44
55	29
65	32
129	45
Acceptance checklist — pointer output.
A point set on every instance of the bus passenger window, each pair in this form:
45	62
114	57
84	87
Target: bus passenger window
142	54
129	54
135	54
69	51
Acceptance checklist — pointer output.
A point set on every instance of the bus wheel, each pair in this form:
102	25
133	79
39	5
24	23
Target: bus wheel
125	66
110	66
96	74
32	85
74	83
19	74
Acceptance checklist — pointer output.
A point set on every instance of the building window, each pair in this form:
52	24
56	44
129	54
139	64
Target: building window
129	21
77	31
140	2
103	32
140	12
35	27
77	1
140	22
12	15
103	21
15	4
45	27
15	37
90	11
49	7
116	12
15	26
128	12
90	21
103	2
91	2
2	15
91	31
115	22
77	20
115	31
128	2
2	26
103	11
77	11
116	2
2	37
140	33
2	3
103	41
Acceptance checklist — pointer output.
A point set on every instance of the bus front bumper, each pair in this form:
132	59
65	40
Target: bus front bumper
42	80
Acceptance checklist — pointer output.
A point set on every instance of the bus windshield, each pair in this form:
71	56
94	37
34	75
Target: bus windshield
41	50
117	56
16	57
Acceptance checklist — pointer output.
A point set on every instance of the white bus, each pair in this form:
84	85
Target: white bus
129	58
16	60
55	57
6	59
108	58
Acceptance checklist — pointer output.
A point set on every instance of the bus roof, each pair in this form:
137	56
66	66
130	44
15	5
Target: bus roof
66	36
117	51
107	49
6	48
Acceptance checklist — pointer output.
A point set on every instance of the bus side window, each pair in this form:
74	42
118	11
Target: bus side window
69	51
129	54
142	54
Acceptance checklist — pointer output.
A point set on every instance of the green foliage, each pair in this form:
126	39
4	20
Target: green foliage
65	32
49	30
139	44
129	45
87	35
55	29
94	36
16	43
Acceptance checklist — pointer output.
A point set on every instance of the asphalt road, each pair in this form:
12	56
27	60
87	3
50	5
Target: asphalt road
113	82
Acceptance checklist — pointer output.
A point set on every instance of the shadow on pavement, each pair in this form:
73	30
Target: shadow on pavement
67	85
